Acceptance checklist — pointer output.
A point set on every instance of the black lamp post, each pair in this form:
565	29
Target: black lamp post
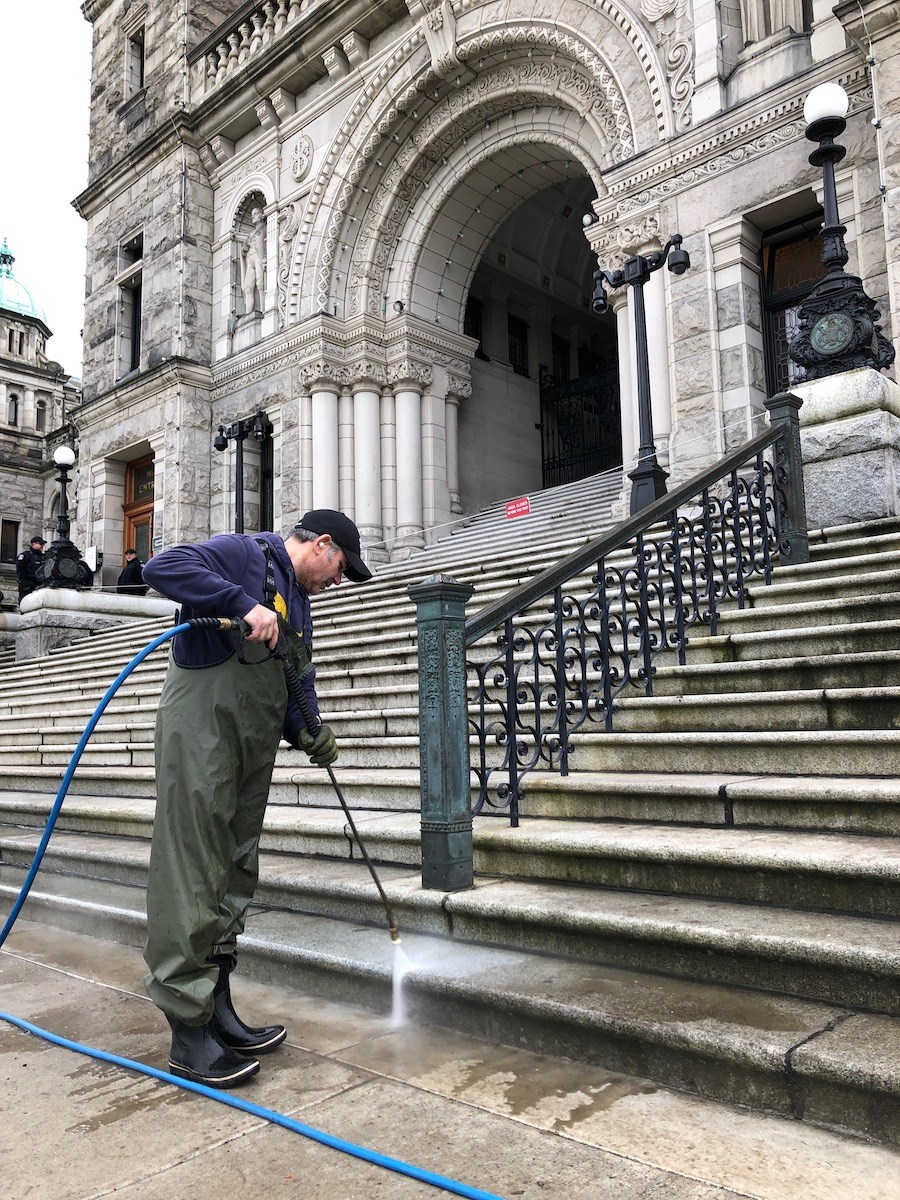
62	565
838	324
648	479
260	428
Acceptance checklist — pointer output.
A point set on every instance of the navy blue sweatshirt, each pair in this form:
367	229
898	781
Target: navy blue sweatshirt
226	577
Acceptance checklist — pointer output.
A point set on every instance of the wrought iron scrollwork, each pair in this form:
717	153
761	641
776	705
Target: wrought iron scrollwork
557	666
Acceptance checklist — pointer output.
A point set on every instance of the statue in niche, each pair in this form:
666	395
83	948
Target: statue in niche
253	263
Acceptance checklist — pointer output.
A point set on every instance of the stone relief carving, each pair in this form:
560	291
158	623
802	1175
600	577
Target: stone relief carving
288	225
438	24
702	161
673	33
530	35
490	96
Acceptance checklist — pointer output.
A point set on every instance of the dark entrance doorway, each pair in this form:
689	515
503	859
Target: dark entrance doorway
581	425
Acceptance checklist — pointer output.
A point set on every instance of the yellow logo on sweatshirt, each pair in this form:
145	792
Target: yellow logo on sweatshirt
280	606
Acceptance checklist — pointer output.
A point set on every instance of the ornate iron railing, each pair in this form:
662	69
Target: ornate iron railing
568	644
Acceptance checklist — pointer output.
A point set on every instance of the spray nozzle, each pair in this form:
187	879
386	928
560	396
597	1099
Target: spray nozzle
395	934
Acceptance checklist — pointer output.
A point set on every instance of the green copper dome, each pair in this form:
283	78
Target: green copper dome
14	296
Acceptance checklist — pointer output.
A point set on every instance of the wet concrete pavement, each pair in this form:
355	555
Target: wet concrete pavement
497	1118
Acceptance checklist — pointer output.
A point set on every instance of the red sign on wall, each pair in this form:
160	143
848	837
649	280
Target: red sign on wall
518	508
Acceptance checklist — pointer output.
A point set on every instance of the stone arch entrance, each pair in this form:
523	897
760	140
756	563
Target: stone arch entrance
480	110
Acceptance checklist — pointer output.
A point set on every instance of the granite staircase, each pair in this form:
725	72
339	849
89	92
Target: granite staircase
711	900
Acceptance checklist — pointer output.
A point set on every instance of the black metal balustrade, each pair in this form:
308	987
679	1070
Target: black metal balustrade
567	644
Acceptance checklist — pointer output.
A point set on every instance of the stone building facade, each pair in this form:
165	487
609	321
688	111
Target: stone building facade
36	395
376	223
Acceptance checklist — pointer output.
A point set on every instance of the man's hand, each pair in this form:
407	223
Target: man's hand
320	746
263	624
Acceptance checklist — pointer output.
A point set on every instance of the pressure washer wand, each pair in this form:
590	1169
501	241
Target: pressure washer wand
295	686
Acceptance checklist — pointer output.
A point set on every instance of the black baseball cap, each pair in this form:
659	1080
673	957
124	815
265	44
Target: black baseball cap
343	533
39	539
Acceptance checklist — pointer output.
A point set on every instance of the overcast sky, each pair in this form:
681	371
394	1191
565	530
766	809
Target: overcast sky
44	98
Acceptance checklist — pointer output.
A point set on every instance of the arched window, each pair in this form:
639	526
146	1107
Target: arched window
40	416
12	409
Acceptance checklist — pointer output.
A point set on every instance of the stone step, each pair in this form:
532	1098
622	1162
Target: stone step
821	584
749	712
872	637
843	610
851	873
773	675
815	955
829	708
823	1063
853	540
100	797
823	752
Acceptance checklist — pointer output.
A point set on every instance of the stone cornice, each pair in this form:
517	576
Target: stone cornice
133	166
341	353
869	19
92	9
723	143
115	404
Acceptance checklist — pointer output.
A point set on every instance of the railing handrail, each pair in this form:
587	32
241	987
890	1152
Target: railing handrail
520	598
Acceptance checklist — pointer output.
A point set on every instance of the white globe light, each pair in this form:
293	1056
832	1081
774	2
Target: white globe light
826	100
64	456
588	219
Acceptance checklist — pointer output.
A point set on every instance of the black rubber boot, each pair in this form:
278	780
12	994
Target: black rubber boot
231	1030
199	1054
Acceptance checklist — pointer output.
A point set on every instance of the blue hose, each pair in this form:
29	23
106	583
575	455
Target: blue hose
454	1187
70	771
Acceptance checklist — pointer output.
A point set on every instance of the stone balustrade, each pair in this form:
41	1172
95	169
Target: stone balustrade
247	38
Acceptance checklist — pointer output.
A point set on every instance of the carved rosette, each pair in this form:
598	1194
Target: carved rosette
301	158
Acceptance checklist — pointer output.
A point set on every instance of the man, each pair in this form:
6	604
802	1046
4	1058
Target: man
131	579
27	564
221	715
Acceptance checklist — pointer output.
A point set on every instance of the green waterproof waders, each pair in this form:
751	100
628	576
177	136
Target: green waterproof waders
217	732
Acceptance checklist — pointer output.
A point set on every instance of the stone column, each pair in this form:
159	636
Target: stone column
388	467
627	389
619	303
367	468
658	343
408	409
224	256
305	439
346	465
451	425
325	487
735	260
435	494
26	416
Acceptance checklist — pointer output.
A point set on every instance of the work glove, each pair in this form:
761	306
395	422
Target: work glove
320	746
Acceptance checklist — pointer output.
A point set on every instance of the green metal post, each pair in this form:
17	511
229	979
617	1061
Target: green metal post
444	733
784	410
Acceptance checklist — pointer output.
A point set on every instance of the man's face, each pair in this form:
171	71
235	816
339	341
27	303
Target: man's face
39	546
324	568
